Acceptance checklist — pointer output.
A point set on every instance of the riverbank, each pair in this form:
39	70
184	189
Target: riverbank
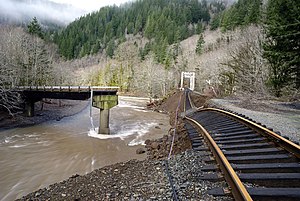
150	179
52	110
142	180
38	156
136	180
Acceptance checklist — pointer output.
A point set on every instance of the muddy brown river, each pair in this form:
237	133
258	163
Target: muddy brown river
37	156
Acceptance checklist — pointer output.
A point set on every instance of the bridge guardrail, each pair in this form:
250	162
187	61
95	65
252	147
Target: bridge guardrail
66	88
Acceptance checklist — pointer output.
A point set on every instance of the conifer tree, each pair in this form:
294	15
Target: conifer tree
34	28
155	20
282	44
200	43
243	12
110	48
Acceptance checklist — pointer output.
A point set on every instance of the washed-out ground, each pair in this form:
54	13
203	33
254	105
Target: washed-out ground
150	179
48	110
142	180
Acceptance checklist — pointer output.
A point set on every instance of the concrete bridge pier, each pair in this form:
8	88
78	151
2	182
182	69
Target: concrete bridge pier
104	122
104	103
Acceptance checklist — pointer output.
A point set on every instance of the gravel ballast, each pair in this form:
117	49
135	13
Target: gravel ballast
142	180
280	116
149	179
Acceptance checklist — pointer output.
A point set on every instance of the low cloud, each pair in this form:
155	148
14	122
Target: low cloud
24	10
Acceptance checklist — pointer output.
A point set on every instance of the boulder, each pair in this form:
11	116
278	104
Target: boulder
155	145
140	151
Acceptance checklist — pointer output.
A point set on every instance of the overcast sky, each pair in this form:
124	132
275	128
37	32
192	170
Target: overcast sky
91	5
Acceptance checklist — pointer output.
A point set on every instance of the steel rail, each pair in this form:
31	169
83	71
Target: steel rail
184	102
276	181
238	189
190	100
281	141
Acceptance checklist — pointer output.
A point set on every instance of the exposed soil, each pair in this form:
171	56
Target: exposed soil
148	179
132	180
160	148
142	180
52	110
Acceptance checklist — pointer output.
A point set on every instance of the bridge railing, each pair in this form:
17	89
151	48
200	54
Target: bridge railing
65	88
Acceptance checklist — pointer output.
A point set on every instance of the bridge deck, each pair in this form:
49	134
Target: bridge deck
36	93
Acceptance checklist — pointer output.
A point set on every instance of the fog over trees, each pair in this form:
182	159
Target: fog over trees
49	13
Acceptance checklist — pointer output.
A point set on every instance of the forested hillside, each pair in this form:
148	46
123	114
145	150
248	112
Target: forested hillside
158	28
249	47
242	13
165	22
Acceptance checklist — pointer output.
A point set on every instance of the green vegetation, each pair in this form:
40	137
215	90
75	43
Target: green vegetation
200	43
34	28
282	45
242	13
139	46
162	22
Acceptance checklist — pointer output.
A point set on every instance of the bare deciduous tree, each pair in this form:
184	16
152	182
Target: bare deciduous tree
24	60
246	70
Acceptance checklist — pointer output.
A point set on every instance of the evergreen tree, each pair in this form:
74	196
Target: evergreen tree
149	29
215	22
199	28
34	28
155	20
243	12
200	44
282	44
110	48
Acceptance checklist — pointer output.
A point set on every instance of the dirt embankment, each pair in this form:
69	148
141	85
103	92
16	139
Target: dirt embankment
52	110
160	148
139	180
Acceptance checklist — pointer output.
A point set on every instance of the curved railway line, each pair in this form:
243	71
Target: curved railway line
256	163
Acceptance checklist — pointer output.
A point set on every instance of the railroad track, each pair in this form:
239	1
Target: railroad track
256	163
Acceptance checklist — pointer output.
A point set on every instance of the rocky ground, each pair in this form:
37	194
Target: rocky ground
52	110
136	180
142	180
150	179
282	117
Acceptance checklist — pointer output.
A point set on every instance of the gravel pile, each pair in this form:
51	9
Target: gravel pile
281	117
133	180
136	180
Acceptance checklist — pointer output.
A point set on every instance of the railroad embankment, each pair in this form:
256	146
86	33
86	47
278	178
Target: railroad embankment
150	179
282	117
142	180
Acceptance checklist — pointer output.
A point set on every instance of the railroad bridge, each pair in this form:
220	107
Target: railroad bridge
103	98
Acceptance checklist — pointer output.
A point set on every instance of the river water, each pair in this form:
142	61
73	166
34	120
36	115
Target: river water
37	156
